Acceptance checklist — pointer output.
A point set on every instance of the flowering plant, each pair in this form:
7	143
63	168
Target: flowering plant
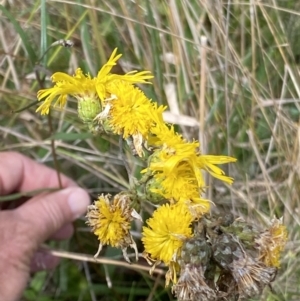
214	257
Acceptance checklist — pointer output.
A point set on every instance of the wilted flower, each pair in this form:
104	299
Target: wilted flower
194	260
221	262
191	285
271	243
249	274
110	222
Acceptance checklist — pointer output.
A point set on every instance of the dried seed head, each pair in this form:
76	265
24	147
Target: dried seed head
226	250
195	251
246	233
271	243
250	275
191	285
195	256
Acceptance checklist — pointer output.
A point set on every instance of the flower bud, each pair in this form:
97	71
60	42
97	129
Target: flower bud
88	109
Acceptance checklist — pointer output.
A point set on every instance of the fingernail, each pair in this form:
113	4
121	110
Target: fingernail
78	201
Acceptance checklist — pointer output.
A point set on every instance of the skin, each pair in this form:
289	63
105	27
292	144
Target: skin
26	225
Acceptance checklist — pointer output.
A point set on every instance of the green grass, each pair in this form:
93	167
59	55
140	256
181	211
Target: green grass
230	71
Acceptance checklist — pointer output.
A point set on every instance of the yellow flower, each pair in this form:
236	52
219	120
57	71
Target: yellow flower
110	222
165	232
181	186
272	242
169	158
208	162
173	150
104	76
85	88
81	86
130	112
163	134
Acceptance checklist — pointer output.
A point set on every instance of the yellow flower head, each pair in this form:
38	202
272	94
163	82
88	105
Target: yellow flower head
163	134
104	76
80	86
110	222
165	232
272	242
177	174
181	186
130	112
85	88
167	159
174	150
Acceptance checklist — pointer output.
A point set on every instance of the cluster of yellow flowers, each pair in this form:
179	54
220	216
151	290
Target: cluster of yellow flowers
112	103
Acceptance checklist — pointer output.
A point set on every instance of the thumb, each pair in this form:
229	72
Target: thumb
43	215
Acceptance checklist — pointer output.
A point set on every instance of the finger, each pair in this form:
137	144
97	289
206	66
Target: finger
44	215
19	173
63	233
43	260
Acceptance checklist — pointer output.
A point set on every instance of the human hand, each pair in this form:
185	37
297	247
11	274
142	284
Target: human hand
23	229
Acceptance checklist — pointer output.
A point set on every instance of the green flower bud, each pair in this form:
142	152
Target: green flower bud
151	195
88	109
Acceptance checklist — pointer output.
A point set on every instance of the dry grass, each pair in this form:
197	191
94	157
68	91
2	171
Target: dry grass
228	72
